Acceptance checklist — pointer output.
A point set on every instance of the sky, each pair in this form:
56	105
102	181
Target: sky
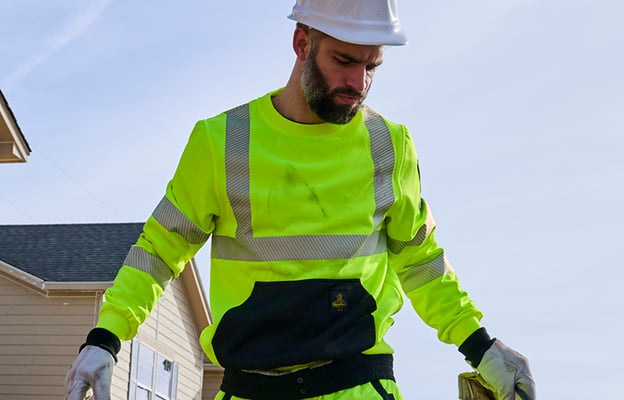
516	108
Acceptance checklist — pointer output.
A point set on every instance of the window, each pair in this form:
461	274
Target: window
152	375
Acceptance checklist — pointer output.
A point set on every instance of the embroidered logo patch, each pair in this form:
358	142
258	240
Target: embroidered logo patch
340	302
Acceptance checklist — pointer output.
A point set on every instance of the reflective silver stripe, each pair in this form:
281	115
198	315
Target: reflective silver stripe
383	158
424	231
397	246
419	275
140	259
170	217
237	166
309	247
246	247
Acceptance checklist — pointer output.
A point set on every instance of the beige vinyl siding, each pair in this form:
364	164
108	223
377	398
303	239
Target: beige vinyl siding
121	373
39	339
41	331
170	331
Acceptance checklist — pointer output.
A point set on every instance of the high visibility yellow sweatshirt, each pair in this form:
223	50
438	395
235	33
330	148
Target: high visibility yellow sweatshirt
317	233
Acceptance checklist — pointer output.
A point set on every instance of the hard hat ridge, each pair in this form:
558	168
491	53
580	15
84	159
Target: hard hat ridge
368	22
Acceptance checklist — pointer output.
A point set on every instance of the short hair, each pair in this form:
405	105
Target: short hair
315	34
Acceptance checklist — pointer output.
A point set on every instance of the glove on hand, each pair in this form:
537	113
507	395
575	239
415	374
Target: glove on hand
93	368
506	373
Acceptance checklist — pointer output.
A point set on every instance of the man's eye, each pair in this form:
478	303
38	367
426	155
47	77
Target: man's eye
342	61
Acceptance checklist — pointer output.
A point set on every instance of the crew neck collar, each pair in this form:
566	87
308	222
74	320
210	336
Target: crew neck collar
297	128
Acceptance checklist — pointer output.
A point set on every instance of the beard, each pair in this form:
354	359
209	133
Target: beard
321	99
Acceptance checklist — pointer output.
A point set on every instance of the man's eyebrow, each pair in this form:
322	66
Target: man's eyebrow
356	60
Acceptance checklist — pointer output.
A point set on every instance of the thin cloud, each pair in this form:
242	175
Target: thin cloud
74	28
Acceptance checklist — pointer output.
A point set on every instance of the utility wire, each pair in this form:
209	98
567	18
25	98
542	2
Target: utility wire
77	183
18	209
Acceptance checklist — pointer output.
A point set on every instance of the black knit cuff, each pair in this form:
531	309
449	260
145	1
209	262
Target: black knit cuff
475	346
103	339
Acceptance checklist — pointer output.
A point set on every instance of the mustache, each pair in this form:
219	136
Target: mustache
349	92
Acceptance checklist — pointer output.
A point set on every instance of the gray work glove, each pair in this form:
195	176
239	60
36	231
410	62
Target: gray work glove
506	373
92	369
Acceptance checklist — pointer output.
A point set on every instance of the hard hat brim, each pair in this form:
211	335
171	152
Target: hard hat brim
373	37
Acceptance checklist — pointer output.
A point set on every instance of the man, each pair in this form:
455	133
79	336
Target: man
318	228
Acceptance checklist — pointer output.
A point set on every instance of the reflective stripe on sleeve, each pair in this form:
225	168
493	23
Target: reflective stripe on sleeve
170	217
397	246
419	275
142	260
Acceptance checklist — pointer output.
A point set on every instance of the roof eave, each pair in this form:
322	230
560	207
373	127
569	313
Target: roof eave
13	144
190	279
47	288
196	295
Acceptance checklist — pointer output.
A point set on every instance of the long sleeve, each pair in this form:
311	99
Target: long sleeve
178	227
426	275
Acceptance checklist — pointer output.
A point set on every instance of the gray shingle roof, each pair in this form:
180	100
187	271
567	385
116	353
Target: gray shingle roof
68	252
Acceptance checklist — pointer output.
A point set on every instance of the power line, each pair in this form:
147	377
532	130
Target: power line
18	209
78	183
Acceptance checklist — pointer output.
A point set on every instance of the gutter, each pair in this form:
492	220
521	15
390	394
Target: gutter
45	287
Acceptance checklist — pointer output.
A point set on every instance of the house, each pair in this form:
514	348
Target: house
52	278
13	145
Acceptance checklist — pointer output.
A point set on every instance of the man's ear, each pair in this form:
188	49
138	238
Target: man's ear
302	41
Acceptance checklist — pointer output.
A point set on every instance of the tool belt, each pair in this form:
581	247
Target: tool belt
309	382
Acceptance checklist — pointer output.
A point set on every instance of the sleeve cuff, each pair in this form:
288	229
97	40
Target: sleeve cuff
103	339
475	346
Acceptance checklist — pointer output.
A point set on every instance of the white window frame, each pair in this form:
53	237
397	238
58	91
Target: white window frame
134	369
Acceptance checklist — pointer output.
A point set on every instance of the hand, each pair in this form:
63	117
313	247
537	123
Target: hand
506	373
93	368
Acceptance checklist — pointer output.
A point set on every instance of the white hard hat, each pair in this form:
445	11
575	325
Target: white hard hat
369	22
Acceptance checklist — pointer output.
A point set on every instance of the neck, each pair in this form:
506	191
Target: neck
291	102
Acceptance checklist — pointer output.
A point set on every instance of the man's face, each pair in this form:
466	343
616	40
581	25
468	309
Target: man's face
337	77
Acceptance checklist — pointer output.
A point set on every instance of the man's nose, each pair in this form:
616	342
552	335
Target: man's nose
358	78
